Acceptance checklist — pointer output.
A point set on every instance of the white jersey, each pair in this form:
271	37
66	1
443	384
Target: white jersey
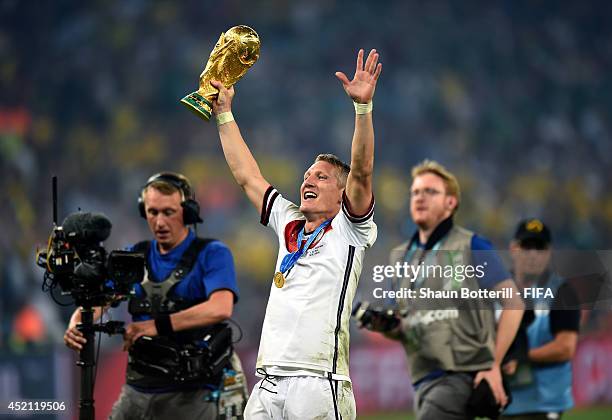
306	327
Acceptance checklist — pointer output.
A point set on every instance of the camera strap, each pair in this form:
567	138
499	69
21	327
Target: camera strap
156	299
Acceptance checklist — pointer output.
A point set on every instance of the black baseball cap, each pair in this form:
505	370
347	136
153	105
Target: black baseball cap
533	233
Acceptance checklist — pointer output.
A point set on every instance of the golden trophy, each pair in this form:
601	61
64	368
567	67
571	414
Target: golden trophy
235	52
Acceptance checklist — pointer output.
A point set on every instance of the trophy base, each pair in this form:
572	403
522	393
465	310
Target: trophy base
198	104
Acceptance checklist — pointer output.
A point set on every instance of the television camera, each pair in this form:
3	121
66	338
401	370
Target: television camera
76	261
376	319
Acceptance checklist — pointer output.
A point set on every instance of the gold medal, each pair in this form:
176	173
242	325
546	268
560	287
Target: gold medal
279	279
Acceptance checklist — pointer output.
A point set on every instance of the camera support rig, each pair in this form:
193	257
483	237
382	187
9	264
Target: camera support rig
84	278
87	360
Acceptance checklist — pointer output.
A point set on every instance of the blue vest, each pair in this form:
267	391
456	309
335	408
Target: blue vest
551	388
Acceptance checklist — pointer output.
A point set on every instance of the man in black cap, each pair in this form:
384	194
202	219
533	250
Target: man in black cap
530	250
541	380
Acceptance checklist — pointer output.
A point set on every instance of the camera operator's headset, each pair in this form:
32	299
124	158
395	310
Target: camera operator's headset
191	208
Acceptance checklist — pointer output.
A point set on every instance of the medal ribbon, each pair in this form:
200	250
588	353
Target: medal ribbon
289	260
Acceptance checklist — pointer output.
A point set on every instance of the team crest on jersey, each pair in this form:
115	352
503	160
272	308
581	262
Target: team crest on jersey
316	250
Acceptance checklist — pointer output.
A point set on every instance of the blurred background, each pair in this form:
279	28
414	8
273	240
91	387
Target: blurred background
512	96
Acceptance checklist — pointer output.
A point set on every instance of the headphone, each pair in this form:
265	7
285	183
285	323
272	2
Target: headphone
191	208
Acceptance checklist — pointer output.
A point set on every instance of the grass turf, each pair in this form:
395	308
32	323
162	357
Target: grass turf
592	413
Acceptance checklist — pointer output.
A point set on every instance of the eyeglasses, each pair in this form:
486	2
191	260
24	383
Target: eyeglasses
428	192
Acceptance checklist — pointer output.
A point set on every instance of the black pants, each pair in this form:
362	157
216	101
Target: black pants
444	398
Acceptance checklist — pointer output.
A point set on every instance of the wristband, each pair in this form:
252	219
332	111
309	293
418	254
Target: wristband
164	325
361	109
224	118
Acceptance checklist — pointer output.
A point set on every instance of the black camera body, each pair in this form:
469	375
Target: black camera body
77	262
376	319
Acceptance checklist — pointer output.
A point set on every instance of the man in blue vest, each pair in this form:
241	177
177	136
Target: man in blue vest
541	383
188	290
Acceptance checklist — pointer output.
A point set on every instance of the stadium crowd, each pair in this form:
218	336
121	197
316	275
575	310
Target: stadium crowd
513	96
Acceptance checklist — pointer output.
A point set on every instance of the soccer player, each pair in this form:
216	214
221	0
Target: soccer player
304	348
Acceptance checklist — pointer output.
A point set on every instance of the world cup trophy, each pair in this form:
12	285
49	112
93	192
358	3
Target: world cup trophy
235	52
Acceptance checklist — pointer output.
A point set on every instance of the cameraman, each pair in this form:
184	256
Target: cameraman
189	284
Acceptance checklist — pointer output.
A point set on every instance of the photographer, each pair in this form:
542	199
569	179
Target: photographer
190	284
454	347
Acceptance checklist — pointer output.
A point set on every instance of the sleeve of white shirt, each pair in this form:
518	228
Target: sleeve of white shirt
277	211
359	230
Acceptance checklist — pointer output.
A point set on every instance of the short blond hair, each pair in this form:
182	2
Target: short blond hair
450	180
342	168
163	187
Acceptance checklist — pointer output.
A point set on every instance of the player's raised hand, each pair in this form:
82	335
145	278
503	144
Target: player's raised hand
361	88
223	102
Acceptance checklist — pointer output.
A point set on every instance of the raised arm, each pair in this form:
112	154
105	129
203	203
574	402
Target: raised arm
361	91
237	154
